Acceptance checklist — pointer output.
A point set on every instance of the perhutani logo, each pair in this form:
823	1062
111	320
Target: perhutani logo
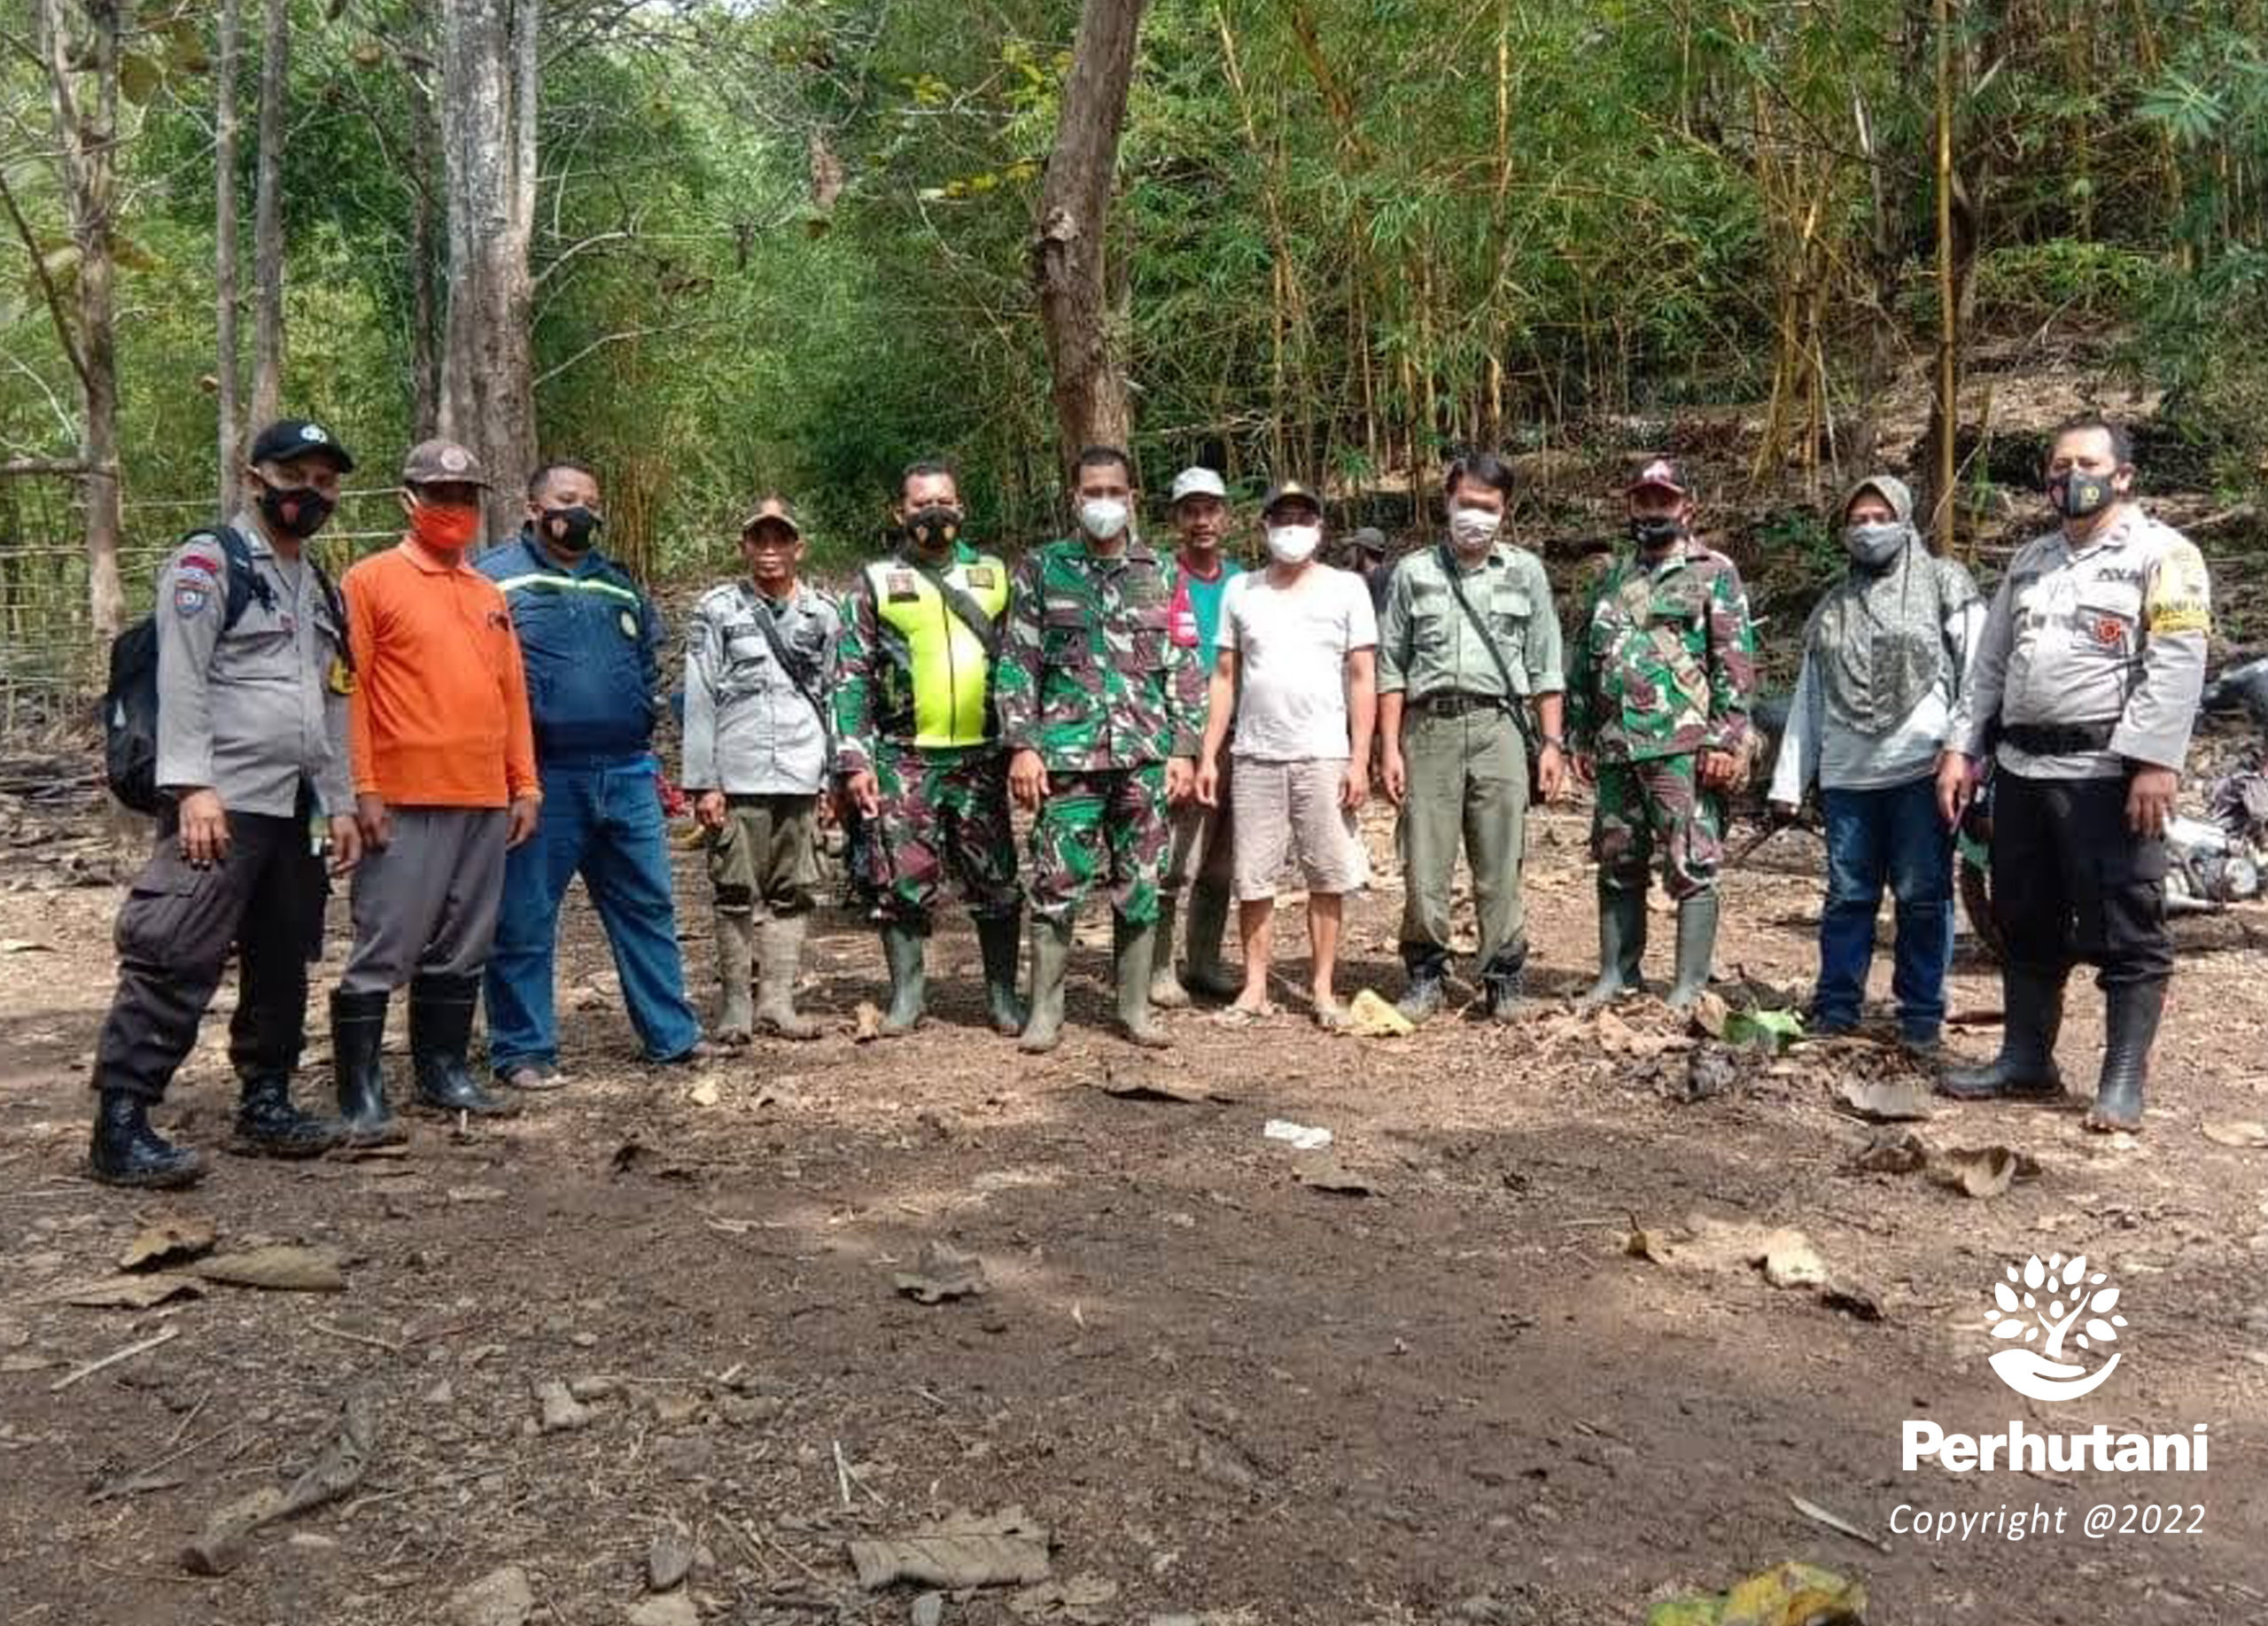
2035	1313
2050	1298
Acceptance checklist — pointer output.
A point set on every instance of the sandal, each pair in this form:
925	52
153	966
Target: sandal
1244	1015
1334	1019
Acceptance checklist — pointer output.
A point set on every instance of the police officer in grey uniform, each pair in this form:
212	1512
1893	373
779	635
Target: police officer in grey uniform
2085	690
759	665
251	748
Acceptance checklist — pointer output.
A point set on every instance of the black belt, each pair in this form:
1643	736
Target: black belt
2058	739
1457	703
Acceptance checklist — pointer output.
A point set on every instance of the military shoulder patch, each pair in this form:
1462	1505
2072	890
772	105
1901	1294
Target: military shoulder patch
981	576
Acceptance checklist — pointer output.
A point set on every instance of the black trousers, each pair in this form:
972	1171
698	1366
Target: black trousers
2071	882
174	934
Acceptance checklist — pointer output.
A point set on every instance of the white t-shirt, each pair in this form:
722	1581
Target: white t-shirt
1292	645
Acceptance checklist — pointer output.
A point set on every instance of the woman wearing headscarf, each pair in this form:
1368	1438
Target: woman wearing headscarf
1886	656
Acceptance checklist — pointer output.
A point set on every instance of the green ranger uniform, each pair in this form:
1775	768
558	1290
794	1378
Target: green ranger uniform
1462	747
1663	667
1089	678
914	706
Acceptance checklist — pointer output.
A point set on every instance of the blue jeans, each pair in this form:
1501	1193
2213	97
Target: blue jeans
606	825
1892	835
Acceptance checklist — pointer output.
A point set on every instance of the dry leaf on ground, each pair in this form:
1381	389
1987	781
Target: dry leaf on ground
960	1549
281	1269
166	1239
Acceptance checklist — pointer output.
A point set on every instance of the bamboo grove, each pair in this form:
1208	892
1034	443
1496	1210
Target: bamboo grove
790	244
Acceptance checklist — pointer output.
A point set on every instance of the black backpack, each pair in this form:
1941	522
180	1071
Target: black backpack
130	702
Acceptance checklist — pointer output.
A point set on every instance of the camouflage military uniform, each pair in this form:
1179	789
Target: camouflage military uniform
1089	680
1661	668
944	811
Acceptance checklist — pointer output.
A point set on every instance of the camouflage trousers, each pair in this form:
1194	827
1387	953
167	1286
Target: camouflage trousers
942	813
1657	805
1100	827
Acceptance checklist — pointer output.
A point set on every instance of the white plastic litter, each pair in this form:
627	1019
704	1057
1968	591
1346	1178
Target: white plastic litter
1301	1138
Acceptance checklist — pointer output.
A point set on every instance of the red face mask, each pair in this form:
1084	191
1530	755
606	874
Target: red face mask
444	529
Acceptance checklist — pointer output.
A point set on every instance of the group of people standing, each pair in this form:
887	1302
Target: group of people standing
464	735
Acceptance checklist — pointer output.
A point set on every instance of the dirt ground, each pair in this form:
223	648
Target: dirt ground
1230	1395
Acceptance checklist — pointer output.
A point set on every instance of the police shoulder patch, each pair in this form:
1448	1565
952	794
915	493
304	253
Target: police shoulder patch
191	596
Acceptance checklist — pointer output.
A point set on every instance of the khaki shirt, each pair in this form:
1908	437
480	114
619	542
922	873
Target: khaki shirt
250	711
1427	645
2112	633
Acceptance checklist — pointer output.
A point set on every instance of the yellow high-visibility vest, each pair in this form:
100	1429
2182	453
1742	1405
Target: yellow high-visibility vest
949	672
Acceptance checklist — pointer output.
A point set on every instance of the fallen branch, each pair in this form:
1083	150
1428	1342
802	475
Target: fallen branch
111	1359
362	1338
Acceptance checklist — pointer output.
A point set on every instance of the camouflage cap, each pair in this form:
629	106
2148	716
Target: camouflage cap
441	462
775	510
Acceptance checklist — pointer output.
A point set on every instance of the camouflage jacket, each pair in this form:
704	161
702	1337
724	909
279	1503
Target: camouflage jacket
1088	676
1664	661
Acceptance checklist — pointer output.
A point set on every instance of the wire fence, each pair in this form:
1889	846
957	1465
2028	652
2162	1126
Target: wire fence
51	665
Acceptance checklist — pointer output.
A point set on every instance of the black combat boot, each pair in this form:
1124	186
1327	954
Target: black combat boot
2131	1013
1428	967
2025	1068
265	1045
127	1152
1502	977
440	1035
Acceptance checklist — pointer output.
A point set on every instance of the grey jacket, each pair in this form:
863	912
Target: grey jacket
748	729
2113	635
250	711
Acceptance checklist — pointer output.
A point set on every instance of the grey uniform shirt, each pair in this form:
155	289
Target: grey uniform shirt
748	729
2112	633
250	711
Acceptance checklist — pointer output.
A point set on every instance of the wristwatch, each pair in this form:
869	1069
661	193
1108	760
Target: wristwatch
1555	742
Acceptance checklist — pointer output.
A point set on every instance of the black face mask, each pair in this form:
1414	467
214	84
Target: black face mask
1654	533
934	527
295	511
2080	496
570	529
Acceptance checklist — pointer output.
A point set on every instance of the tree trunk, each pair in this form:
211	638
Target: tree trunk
424	254
267	217
224	250
86	127
1069	260
490	73
1944	407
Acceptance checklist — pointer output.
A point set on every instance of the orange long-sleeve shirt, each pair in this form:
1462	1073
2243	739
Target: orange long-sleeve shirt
440	713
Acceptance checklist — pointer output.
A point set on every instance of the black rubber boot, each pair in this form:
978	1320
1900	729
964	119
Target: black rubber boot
2131	1014
2025	1068
1697	950
357	1031
1621	944
1001	938
441	1036
127	1152
903	945
269	1124
1427	967
1502	978
1133	952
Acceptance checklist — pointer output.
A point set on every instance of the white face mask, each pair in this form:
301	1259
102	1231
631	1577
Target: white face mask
1472	529
1102	517
1294	544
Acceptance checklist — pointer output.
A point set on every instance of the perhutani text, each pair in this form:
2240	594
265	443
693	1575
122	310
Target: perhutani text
2024	1451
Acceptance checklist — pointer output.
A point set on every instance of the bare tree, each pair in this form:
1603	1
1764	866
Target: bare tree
84	146
224	251
268	222
490	72
1069	267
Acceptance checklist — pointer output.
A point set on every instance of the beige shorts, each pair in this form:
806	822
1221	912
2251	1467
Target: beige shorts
1289	811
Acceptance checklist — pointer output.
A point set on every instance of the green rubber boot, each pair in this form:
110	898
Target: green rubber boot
1622	946
1050	958
1133	950
1697	949
902	943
